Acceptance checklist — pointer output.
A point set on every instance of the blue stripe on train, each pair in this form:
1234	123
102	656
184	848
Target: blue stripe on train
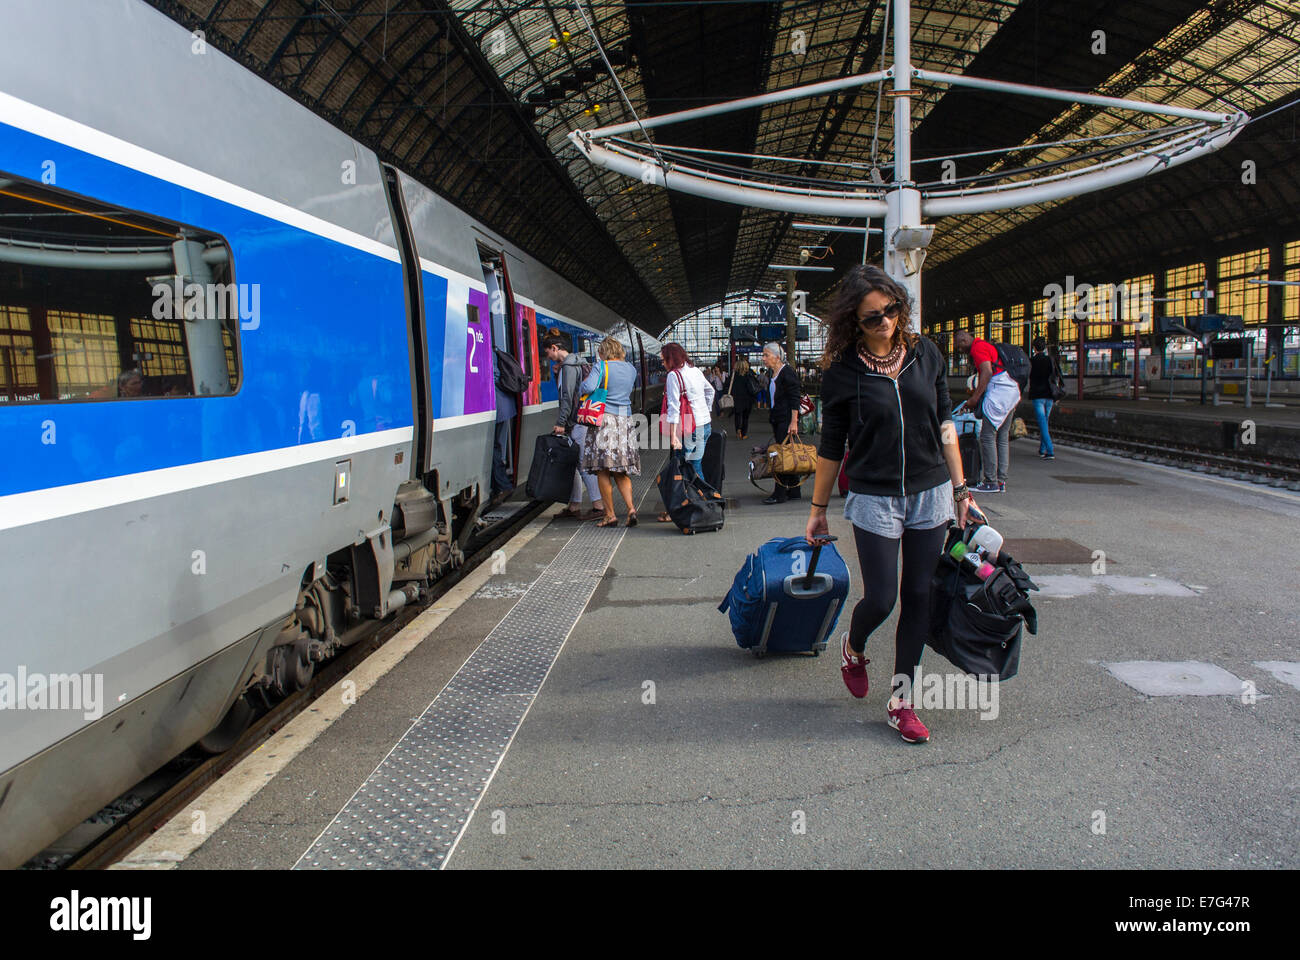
583	339
435	325
328	358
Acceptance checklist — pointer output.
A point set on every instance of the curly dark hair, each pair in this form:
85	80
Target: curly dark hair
843	333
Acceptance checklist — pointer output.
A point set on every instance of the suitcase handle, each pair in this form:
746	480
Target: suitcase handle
812	585
793	542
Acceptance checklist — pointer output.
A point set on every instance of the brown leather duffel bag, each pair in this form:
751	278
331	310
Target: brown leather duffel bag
792	455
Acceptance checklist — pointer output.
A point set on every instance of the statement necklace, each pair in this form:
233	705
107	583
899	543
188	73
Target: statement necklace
888	364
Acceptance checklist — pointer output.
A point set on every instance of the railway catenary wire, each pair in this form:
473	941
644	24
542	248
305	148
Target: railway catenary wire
127	829
1271	471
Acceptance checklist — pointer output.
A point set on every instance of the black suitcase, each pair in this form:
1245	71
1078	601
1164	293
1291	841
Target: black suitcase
713	465
968	442
693	505
550	478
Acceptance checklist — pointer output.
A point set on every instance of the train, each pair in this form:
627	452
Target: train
247	403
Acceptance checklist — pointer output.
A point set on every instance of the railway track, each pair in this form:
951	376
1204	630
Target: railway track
1235	464
130	819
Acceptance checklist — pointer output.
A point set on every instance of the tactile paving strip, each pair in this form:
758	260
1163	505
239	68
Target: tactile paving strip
410	812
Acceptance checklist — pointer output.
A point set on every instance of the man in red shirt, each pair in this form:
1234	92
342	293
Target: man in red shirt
995	396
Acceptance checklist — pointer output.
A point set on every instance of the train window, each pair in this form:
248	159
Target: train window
533	349
544	365
103	303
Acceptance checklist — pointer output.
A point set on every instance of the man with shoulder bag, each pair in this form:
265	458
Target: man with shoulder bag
994	399
568	379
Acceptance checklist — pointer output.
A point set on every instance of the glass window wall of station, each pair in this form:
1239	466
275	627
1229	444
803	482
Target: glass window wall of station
739	326
1242	283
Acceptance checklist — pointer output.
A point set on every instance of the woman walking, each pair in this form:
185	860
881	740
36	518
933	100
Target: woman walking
1042	373
714	376
686	432
885	391
784	391
743	388
610	450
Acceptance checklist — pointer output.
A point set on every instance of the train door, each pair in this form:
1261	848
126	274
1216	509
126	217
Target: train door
645	371
501	308
417	332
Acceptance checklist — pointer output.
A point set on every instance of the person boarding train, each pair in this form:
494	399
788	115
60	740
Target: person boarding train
568	379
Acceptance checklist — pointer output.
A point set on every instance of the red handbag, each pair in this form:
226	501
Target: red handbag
684	408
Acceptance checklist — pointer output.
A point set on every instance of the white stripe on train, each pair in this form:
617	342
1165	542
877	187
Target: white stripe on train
37	506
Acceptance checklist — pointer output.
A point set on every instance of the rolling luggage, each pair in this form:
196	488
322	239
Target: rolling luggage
713	465
968	442
550	477
693	505
787	597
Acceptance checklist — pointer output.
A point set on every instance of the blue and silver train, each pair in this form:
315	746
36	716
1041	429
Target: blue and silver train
246	397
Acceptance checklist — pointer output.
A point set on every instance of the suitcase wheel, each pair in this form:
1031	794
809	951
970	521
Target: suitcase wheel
758	654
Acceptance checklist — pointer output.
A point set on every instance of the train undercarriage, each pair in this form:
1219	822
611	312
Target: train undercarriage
340	599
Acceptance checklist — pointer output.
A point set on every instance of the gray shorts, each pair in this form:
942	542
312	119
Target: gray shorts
889	516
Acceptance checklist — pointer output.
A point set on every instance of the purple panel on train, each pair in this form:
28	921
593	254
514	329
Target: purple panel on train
479	394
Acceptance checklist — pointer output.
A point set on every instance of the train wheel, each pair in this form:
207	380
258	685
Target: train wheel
232	726
294	667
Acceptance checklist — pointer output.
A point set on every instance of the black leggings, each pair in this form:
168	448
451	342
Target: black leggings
878	557
742	419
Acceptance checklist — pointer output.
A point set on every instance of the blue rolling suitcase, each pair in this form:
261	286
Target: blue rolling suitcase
787	597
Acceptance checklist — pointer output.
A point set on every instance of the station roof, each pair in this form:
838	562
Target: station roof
475	98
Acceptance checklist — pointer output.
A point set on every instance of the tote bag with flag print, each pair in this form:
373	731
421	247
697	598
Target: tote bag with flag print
592	411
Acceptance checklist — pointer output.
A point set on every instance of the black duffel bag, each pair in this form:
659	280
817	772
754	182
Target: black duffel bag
550	478
693	505
976	624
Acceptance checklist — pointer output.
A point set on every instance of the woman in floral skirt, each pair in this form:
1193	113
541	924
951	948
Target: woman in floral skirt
610	450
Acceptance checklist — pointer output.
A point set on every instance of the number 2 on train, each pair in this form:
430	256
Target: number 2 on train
475	337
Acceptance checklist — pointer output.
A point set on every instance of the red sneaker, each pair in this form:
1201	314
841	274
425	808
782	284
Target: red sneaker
854	669
904	720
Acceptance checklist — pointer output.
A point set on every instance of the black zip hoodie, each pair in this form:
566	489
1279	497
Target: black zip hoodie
893	427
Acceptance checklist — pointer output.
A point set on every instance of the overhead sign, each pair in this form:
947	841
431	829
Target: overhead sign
1201	323
766	332
772	312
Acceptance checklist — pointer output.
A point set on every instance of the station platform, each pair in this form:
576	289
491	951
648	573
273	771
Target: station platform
582	704
1273	430
1280	414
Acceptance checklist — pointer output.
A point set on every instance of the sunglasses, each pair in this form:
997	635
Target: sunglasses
892	312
